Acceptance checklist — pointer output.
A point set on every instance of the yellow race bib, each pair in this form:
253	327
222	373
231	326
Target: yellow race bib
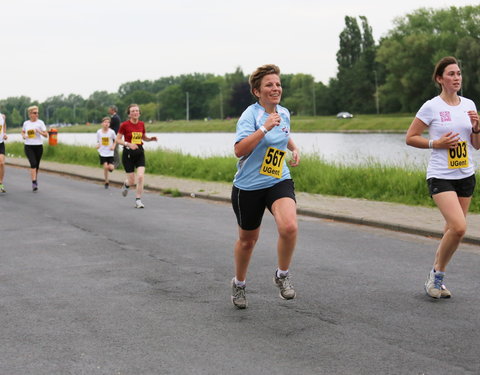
458	156
137	137
31	133
105	141
273	162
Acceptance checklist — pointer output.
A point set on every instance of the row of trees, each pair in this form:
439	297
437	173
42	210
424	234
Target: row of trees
393	75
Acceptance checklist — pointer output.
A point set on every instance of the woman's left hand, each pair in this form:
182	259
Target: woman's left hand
295	158
473	119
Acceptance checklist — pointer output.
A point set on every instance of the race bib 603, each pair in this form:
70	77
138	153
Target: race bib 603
458	156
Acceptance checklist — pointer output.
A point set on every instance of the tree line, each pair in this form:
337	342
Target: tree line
391	76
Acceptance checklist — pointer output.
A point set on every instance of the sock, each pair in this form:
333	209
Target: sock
239	283
34	181
281	273
137	199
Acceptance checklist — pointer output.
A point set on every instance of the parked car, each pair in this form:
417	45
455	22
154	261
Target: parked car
344	115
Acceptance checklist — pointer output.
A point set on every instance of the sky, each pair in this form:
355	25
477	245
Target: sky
55	47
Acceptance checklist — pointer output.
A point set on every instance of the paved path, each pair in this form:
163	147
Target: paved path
410	219
91	285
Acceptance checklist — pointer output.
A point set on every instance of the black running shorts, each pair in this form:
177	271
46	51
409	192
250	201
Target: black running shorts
463	187
132	159
249	205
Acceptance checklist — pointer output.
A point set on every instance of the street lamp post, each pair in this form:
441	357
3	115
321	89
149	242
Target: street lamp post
188	106
48	113
221	104
314	101
376	92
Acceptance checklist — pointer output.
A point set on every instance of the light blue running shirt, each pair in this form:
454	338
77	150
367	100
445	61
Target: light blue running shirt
266	165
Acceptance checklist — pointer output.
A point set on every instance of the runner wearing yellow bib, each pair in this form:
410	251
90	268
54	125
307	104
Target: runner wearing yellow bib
452	123
33	133
3	138
106	143
263	181
133	133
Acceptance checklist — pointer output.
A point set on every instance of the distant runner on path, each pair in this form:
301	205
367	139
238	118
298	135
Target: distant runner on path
32	132
3	138
131	135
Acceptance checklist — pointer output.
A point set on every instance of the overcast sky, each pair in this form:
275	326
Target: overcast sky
54	47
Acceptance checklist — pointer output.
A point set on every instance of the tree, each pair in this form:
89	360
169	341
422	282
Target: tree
15	118
417	42
355	82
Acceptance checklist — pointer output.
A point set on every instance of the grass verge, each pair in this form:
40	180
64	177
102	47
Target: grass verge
372	181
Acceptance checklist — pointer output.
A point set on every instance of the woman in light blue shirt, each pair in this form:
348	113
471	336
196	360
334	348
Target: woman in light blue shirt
263	181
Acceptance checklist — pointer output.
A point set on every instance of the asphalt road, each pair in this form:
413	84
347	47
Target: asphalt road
90	285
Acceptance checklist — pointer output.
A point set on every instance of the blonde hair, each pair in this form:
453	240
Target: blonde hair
256	77
106	118
32	108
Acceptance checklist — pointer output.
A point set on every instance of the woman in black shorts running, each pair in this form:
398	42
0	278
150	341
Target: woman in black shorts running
32	132
263	181
133	133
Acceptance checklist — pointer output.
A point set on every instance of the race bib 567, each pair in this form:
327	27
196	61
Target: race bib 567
273	162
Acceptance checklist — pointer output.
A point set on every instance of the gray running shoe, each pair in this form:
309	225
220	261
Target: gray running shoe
34	186
2	189
445	293
139	204
285	286
239	298
125	189
433	285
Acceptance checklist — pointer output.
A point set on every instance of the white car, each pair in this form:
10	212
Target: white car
344	115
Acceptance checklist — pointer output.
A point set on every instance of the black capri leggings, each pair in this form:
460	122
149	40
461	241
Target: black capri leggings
34	154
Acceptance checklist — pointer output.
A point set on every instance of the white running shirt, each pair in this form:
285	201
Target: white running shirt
32	137
442	118
105	140
2	129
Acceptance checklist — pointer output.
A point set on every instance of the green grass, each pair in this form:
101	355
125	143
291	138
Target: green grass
360	123
371	181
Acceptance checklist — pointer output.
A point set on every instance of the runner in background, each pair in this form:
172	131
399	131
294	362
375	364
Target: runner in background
131	135
105	145
3	138
115	126
452	123
263	181
32	132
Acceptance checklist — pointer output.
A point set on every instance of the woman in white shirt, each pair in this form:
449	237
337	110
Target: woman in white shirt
32	132
454	132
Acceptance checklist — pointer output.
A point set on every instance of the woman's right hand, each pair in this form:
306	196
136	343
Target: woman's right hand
448	140
273	120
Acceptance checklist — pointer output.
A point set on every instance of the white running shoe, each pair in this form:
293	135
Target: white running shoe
239	299
433	285
139	204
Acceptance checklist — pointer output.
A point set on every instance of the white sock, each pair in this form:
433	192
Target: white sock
239	283
281	273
